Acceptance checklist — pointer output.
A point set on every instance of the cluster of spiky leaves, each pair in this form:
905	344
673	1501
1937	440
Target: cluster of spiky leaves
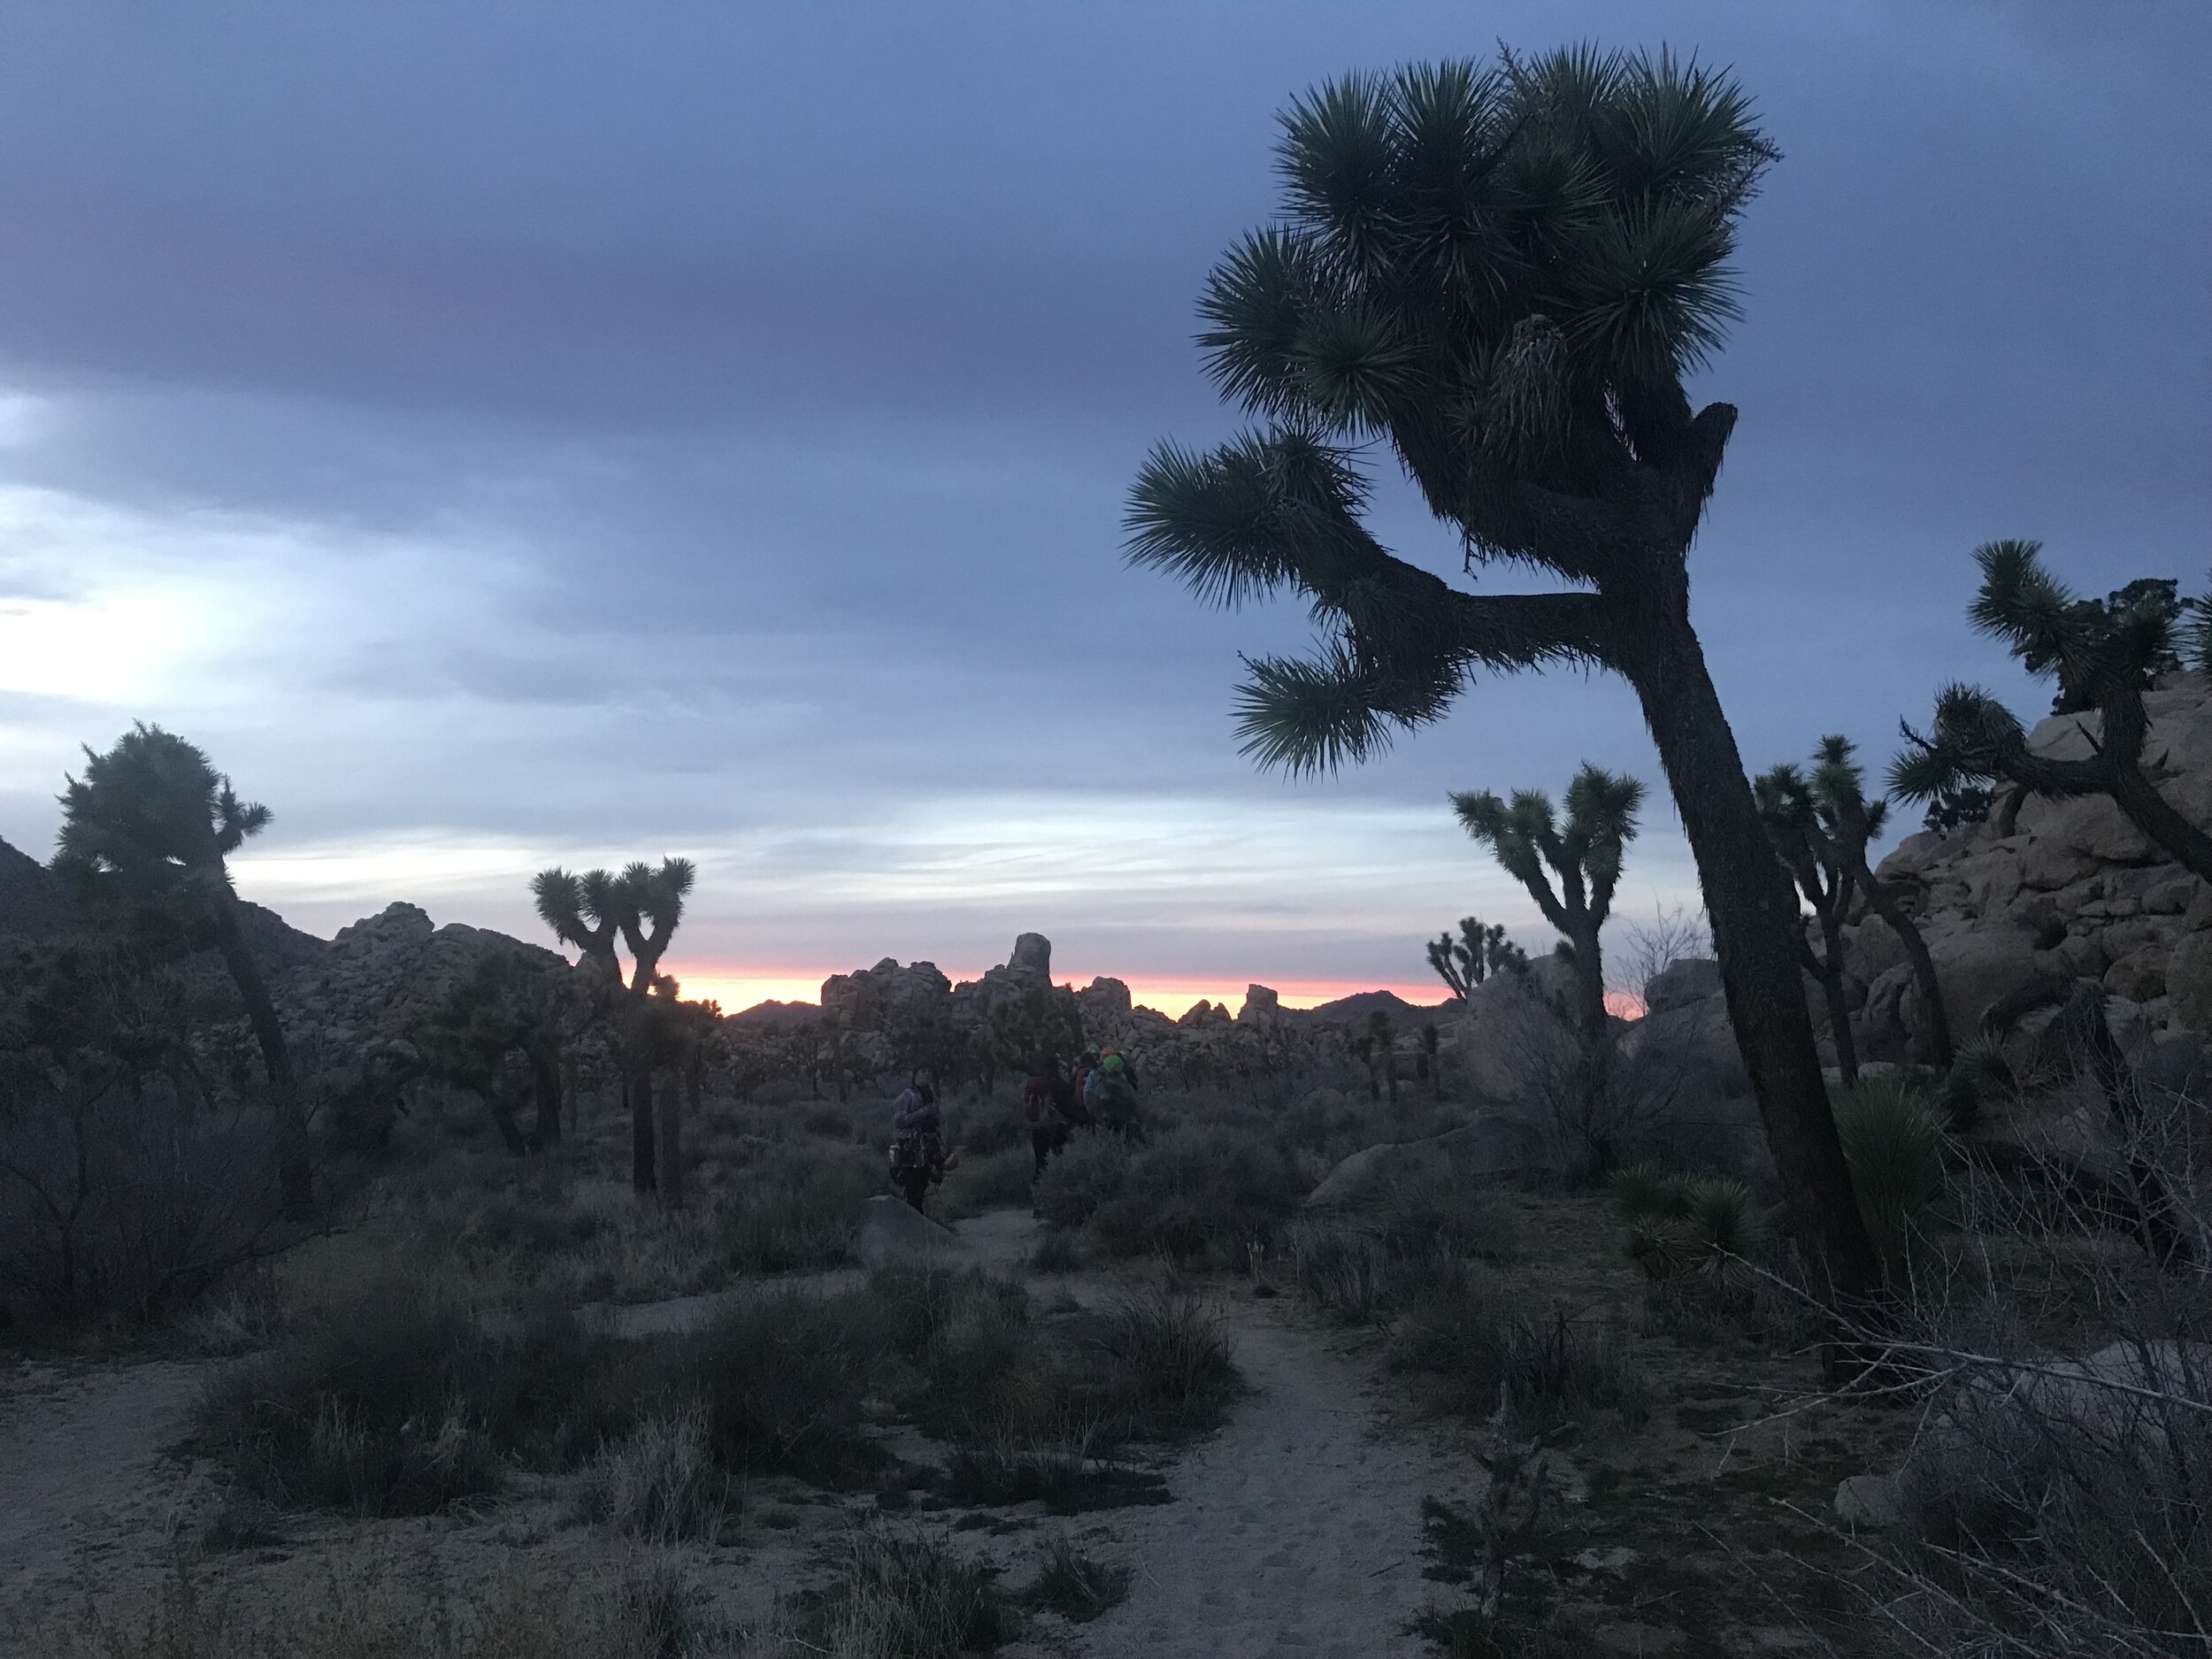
145	832
640	906
1504	272
1820	820
1479	952
505	1006
2094	649
1530	843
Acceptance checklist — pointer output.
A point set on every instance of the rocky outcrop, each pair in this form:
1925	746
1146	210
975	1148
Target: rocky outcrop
32	908
2067	890
869	999
1262	1007
382	975
1491	1149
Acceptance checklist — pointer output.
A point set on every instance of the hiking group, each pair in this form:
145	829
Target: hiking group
1100	1091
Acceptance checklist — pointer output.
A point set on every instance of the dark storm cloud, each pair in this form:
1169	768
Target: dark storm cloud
558	428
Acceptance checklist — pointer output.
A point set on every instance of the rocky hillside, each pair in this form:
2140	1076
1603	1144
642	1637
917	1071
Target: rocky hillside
2059	891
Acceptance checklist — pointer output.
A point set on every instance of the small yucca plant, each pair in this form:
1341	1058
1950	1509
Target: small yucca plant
1892	1139
1682	1224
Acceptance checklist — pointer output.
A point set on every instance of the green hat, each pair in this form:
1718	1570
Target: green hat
1111	1063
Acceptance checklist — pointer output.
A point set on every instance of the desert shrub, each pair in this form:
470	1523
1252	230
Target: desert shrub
782	1376
112	1203
1479	1342
1057	1253
1893	1139
1091	1171
1161	1364
799	1208
644	1611
1368	1264
1075	1587
398	1401
521	1222
1193	1190
658	1482
897	1596
998	1181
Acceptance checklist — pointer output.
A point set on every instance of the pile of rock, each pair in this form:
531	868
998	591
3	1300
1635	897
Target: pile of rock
2060	891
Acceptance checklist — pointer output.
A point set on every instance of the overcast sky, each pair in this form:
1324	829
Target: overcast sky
504	435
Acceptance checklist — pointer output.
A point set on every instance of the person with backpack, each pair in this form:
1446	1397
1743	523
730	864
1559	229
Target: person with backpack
1046	1098
918	1146
1109	1092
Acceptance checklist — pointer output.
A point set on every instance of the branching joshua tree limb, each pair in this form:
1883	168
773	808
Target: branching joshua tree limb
2103	656
1474	956
145	835
1829	885
1570	870
1504	272
1850	824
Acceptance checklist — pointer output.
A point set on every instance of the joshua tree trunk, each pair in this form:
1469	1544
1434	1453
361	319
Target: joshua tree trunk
671	1133
638	1087
1829	971
293	1167
545	1077
1596	1028
1882	898
1756	933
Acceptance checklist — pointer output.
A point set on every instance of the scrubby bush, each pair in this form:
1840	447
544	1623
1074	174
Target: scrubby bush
644	1611
1162	1365
399	1400
799	1208
998	1181
1372	1263
783	1375
1092	1169
1196	1190
658	1482
1075	1587
897	1596
1479	1341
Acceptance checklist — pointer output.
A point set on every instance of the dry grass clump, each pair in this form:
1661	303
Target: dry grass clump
1473	1338
996	1180
1371	1265
898	1595
800	1208
644	1611
659	1482
1075	1587
403	1400
784	1378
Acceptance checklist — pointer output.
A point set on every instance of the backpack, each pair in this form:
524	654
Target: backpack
1095	1088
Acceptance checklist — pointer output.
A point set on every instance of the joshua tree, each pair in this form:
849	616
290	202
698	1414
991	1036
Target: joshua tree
499	1034
1505	273
1584	856
2103	655
1829	885
145	833
642	908
1479	952
1849	823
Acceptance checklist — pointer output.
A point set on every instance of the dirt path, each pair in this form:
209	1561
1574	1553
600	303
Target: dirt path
1297	1530
84	1481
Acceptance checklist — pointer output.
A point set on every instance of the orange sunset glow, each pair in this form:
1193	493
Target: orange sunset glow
735	988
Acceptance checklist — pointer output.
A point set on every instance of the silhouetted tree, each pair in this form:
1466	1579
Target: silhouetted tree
2103	655
1570	870
1831	885
1479	952
1505	273
642	906
500	1033
144	837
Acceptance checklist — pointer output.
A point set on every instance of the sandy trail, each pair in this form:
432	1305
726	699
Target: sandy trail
1296	1529
84	1479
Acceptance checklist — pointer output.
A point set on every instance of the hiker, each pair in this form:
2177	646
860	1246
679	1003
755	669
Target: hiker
917	1147
1049	1101
1109	1092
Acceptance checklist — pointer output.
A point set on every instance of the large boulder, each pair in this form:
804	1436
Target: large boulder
1684	981
1976	968
1262	1007
1514	1038
892	1230
1033	955
1490	1149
